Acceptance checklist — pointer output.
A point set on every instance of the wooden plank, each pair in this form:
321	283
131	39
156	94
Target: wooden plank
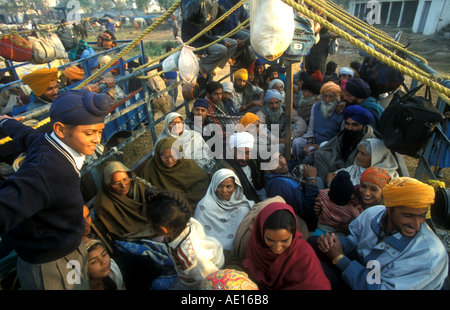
288	103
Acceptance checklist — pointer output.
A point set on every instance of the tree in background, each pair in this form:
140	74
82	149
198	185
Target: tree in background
165	4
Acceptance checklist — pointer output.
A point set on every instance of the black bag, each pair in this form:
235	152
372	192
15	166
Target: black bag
66	37
407	124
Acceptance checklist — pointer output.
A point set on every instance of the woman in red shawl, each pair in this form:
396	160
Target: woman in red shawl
277	256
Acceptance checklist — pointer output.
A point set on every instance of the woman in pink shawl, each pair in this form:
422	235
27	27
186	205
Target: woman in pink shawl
277	256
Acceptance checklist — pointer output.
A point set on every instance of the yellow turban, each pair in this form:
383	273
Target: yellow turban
74	73
408	192
40	79
241	74
247	119
331	86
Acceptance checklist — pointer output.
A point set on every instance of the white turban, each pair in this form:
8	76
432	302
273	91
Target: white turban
242	139
275	81
345	70
228	87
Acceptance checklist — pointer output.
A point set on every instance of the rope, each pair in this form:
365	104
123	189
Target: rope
137	40
368	49
343	21
379	46
131	45
225	15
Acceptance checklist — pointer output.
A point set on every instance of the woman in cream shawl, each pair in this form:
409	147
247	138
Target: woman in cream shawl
380	157
192	142
221	218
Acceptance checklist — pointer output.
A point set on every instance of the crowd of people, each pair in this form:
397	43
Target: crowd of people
222	209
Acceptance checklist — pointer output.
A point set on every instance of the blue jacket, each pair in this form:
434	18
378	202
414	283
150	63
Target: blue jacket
240	15
292	193
405	263
43	197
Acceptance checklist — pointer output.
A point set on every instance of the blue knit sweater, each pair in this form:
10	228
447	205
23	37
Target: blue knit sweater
43	197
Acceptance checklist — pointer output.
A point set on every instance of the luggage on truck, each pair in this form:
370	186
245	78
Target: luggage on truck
408	123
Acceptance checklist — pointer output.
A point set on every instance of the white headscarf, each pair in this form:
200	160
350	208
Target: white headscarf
381	157
221	218
194	146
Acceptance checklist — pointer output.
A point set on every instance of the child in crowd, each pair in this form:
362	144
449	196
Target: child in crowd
43	197
194	254
104	274
339	206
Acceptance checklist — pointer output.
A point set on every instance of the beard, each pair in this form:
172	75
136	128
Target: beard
274	116
328	107
350	140
239	89
304	100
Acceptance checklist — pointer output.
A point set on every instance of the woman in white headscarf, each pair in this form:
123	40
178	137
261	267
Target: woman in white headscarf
194	146
223	208
371	153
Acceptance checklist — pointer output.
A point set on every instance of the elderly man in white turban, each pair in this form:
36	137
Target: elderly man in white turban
273	115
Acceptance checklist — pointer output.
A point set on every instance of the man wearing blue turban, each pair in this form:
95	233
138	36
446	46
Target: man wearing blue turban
358	92
43	196
340	151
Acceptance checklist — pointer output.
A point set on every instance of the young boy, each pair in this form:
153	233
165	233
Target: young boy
43	197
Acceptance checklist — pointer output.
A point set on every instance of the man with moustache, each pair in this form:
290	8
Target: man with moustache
407	253
246	97
340	151
324	123
357	92
273	114
284	180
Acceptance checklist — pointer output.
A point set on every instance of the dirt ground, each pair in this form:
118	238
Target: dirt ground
433	48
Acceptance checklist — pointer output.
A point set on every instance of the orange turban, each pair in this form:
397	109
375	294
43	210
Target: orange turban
247	119
408	192
40	79
74	73
241	74
377	175
331	86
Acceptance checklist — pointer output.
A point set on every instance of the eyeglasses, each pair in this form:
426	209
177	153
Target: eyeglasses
124	182
166	158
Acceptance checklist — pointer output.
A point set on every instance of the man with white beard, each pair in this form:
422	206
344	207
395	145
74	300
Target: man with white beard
310	95
273	114
324	123
277	84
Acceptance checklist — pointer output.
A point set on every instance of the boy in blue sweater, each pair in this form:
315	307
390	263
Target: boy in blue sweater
43	197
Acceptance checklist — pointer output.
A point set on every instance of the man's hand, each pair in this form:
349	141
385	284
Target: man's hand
227	44
18	118
259	103
311	152
110	82
340	107
240	43
330	245
318	206
309	171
